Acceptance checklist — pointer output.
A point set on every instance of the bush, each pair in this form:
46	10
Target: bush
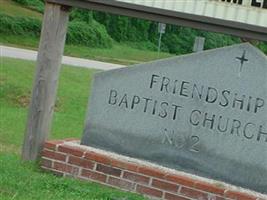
216	40
81	15
93	35
19	25
263	46
89	34
37	5
124	29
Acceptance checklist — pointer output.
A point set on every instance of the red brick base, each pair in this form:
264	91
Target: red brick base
68	158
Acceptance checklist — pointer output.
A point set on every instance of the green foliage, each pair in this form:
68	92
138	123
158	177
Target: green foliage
123	28
81	15
263	46
216	40
37	5
88	34
19	25
176	40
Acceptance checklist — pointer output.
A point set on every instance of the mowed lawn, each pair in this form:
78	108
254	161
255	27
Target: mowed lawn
24	180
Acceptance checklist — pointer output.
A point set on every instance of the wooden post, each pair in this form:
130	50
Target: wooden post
49	58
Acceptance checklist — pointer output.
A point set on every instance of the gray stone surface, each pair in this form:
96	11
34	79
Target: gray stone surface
204	113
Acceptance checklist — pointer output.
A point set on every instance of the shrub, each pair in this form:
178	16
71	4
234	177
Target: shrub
19	25
37	5
93	35
81	15
89	34
263	46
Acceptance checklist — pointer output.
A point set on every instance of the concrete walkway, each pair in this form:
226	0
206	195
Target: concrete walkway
12	52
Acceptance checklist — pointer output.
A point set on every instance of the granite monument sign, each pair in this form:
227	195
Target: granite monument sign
204	113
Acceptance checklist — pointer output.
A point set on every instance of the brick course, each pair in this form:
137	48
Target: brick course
65	158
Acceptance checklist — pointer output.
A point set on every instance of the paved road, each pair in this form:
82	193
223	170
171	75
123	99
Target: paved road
77	62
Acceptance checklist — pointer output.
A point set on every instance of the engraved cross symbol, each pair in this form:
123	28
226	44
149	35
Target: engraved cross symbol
242	59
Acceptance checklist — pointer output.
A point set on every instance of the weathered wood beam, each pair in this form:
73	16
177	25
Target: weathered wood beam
43	98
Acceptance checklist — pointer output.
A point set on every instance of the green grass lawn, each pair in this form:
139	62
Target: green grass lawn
24	180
